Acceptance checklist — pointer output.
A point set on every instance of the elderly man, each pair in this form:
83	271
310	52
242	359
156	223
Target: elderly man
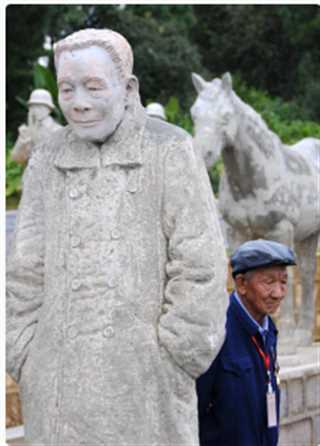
239	394
117	278
40	125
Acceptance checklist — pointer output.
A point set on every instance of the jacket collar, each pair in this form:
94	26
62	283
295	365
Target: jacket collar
123	148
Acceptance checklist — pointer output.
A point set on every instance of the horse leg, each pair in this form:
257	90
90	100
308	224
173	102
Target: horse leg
283	233
306	251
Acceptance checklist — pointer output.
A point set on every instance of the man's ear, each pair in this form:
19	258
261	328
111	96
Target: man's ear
241	283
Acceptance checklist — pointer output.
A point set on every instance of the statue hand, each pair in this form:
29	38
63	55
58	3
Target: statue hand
24	131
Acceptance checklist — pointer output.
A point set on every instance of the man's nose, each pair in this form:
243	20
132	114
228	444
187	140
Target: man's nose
279	290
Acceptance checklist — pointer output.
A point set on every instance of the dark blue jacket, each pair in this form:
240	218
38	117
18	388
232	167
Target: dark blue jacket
232	393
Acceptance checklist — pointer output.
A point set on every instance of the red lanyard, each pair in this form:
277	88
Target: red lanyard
265	357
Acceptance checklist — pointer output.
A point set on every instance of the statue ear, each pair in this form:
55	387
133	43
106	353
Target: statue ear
132	84
198	82
132	89
227	81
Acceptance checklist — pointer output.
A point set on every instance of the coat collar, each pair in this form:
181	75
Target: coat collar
123	148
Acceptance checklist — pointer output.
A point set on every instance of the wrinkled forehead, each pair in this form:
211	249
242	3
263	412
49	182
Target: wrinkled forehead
89	56
91	62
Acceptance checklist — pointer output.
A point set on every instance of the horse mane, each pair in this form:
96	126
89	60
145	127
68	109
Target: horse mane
254	125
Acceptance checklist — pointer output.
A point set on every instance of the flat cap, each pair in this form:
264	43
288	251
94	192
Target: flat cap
258	253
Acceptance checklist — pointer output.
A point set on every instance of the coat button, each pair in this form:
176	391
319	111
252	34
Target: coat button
108	332
115	234
112	283
72	332
75	284
73	193
75	241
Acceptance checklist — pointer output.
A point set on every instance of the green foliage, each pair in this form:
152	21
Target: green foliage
45	78
273	47
13	178
214	174
176	116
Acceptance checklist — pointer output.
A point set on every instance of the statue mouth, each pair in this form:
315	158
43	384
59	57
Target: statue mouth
86	123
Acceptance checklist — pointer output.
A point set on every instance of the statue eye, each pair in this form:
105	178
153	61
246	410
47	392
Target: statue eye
65	88
95	86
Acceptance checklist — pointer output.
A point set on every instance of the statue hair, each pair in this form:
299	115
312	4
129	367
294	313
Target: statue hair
114	43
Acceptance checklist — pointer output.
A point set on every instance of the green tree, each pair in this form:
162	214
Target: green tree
273	47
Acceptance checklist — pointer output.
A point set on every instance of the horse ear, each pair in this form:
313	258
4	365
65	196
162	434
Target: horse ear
227	81
198	82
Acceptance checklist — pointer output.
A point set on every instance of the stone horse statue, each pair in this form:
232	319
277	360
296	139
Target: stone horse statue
268	189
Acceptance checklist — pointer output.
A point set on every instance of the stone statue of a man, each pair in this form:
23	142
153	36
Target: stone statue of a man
116	284
40	125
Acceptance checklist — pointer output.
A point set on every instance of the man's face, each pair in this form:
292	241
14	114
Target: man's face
92	95
262	290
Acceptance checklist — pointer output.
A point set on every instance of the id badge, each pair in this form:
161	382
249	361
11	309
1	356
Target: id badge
271	409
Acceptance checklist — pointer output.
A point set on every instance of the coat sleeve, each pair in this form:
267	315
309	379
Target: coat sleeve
191	326
25	269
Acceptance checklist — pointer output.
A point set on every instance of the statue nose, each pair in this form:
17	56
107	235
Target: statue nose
81	106
81	103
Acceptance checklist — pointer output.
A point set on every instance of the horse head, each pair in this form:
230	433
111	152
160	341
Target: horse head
213	116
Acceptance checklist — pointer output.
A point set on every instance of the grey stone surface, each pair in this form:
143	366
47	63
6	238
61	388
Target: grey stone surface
300	397
268	190
296	399
116	281
313	391
284	406
10	225
297	434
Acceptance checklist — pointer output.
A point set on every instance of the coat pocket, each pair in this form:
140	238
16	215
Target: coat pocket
237	366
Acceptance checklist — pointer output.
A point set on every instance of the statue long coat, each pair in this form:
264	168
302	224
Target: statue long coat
116	288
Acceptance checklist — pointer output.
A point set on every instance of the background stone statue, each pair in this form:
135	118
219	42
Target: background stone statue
40	125
156	110
116	280
268	190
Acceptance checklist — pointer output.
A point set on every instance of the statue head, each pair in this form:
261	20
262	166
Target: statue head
95	81
212	114
156	110
40	105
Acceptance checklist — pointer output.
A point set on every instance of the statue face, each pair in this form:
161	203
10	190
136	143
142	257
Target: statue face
92	95
37	112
